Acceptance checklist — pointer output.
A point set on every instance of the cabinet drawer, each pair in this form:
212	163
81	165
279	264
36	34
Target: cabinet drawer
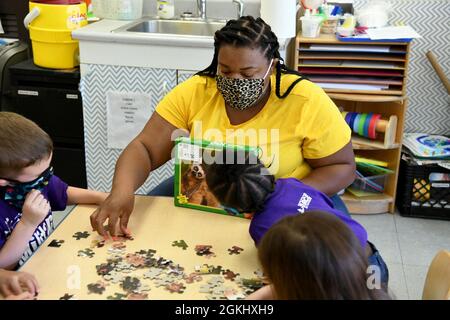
69	165
57	111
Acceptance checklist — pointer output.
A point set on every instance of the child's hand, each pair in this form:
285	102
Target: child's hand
22	296
35	208
16	285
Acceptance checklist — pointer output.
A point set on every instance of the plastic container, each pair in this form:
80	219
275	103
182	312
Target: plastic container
345	32
311	26
51	28
329	25
166	9
65	2
374	184
423	191
117	9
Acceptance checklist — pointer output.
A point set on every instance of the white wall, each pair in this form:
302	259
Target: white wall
222	9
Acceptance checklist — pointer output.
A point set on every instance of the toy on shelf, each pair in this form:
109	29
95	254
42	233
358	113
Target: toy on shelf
424	145
377	132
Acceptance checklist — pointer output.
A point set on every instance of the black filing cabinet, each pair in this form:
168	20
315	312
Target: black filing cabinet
51	99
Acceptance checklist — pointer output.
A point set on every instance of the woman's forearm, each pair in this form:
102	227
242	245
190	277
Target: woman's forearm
132	168
332	178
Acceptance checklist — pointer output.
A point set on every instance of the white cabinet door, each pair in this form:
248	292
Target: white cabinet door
96	82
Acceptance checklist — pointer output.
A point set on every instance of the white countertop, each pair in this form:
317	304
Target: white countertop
103	31
99	44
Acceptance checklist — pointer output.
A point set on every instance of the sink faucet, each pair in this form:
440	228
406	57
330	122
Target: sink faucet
240	4
201	6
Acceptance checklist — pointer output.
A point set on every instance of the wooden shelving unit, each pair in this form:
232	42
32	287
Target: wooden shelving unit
363	77
374	68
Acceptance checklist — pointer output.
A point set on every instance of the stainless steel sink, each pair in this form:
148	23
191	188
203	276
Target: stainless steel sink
203	28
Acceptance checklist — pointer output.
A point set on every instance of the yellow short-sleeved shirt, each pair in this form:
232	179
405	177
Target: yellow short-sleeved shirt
305	124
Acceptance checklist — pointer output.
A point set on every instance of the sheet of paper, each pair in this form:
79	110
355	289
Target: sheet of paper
402	32
369	64
362	80
127	114
351	86
348	48
322	62
350	63
360	193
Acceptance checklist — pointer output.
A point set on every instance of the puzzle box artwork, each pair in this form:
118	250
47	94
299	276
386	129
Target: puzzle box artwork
190	188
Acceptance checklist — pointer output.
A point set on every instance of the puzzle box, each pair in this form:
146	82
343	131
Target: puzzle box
190	188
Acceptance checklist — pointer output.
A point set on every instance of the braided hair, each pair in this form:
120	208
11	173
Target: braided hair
255	33
243	184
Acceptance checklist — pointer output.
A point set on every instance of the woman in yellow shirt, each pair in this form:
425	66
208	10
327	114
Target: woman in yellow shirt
246	96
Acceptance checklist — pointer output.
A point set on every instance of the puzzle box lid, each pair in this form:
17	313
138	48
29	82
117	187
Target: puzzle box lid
189	152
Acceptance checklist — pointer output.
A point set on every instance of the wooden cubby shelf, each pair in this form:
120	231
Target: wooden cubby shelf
363	77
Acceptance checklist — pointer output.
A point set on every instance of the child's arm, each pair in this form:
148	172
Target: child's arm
84	196
16	285
16	245
264	293
34	211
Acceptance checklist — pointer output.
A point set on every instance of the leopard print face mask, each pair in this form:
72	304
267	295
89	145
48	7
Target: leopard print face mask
241	94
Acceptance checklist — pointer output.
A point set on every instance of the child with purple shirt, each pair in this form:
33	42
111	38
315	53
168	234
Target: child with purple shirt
247	186
314	256
28	189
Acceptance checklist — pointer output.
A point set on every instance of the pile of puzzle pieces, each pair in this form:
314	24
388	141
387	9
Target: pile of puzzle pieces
121	268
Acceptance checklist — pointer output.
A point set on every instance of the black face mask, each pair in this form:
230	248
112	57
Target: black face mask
15	195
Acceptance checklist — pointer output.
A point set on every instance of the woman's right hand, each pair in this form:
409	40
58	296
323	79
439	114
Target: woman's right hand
139	158
117	208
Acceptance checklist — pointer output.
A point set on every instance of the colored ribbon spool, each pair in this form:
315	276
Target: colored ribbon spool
362	121
366	124
373	125
352	119
356	123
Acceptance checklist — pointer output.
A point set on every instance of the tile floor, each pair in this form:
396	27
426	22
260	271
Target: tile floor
408	246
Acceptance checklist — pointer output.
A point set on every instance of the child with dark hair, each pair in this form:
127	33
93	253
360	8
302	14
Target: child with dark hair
248	186
314	256
29	190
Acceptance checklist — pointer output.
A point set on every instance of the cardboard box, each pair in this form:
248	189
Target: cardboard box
190	188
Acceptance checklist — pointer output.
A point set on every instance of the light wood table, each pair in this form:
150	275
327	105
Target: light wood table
155	224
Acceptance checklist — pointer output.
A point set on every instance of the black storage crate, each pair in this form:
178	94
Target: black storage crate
418	196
